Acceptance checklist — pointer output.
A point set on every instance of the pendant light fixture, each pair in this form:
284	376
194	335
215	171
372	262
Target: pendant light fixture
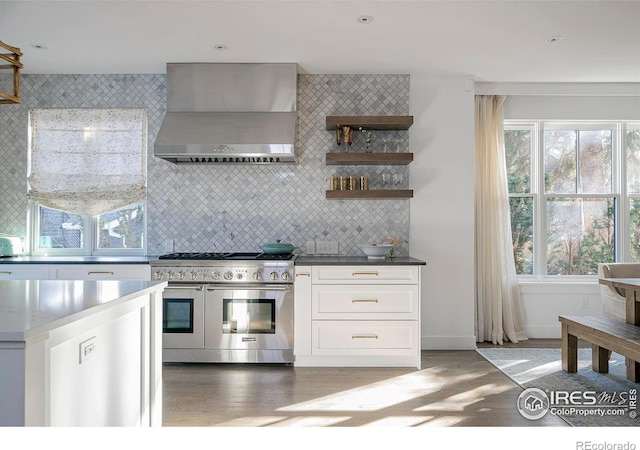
12	60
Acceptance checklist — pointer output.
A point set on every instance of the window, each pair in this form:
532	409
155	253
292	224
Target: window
574	192
87	181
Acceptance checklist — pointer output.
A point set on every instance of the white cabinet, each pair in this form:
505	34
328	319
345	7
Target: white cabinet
100	272
357	315
75	272
24	271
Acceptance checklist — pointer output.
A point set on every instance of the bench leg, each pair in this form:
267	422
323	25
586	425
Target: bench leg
633	370
599	359
569	350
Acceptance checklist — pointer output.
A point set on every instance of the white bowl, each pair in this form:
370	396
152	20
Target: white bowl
377	251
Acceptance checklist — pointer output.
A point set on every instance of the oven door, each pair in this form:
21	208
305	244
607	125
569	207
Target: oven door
183	316
252	317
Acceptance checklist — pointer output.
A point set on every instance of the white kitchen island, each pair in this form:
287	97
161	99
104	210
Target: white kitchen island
80	353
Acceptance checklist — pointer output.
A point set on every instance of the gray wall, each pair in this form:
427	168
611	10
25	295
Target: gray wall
232	208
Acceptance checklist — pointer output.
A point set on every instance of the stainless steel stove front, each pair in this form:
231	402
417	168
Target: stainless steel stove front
227	311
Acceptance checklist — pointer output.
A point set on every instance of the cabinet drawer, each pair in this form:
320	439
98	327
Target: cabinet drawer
22	272
364	338
364	302
100	272
365	274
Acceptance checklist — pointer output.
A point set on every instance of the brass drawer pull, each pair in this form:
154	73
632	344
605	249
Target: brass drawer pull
303	274
100	273
364	300
357	274
6	273
364	336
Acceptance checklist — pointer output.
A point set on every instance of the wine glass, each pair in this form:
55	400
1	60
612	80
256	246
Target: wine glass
386	140
398	142
386	178
397	178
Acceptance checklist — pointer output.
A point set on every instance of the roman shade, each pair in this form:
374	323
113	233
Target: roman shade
87	161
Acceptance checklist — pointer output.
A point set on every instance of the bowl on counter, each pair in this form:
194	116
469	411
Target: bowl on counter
376	251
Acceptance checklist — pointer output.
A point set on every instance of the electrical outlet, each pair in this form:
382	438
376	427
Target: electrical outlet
584	301
310	247
87	349
168	245
327	247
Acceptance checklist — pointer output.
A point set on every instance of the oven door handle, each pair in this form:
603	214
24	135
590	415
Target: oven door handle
185	287
250	287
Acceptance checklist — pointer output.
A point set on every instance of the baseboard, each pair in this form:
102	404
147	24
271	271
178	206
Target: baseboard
448	342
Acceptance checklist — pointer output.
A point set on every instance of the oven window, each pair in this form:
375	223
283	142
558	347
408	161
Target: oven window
248	316
177	315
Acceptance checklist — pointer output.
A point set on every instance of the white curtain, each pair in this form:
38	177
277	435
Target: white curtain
498	309
87	161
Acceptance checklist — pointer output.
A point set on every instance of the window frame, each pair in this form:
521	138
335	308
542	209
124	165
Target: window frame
540	196
90	238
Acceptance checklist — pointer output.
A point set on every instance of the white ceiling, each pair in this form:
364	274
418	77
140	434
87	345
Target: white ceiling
490	41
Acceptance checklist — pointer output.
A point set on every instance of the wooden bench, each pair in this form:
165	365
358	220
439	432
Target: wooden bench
605	335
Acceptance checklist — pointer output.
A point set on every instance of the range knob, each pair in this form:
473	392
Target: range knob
285	275
170	275
193	275
228	275
181	275
215	275
274	276
257	275
159	274
239	276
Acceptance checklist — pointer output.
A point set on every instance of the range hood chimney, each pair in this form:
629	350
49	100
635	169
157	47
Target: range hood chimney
241	113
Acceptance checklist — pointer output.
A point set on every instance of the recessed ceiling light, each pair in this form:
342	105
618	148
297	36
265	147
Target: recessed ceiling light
552	39
220	47
365	19
39	46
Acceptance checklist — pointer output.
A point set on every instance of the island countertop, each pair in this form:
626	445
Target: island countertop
312	260
29	308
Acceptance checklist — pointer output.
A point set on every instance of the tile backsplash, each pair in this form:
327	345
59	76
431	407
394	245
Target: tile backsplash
234	207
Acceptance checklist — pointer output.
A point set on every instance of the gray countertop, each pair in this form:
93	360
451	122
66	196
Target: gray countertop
301	260
76	260
312	260
29	308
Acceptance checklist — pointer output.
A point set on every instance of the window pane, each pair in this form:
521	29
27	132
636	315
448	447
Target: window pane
633	161
634	229
595	162
123	228
580	234
59	229
560	161
522	233
517	149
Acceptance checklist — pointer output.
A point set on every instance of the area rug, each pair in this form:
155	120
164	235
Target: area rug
585	398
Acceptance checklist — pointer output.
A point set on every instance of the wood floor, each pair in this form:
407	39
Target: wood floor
452	389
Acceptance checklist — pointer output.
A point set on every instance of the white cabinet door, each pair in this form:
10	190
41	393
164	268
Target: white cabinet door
365	338
24	272
365	302
100	272
365	275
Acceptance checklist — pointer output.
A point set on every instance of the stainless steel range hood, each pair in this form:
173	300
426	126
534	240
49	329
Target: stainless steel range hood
242	113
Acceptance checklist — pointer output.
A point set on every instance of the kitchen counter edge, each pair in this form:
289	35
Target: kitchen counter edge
310	260
76	260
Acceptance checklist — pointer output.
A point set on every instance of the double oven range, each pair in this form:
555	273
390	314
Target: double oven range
227	307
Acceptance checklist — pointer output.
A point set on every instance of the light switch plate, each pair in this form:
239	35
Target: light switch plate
327	247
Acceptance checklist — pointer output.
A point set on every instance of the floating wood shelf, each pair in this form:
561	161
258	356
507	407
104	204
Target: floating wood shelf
371	194
373	159
370	122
